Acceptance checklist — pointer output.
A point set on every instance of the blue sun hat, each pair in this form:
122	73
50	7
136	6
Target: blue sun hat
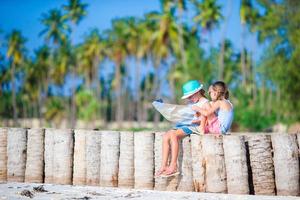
190	88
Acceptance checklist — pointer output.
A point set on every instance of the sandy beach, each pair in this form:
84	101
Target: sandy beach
50	191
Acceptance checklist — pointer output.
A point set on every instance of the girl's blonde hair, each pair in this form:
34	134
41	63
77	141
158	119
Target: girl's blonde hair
221	88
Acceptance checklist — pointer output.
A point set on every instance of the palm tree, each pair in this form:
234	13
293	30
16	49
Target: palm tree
208	15
37	75
117	51
55	27
15	53
93	52
164	44
75	13
138	43
55	33
221	58
248	16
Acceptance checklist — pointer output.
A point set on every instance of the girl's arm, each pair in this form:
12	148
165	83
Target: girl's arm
208	110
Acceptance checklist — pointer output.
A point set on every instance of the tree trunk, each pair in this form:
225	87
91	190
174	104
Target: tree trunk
261	164
286	164
73	99
14	101
185	166
79	166
3	155
243	57
119	117
16	154
143	160
109	165
63	147
263	96
93	153
214	164
48	155
221	58
126	162
138	91
159	183
97	82
156	93
236	164
198	163
34	172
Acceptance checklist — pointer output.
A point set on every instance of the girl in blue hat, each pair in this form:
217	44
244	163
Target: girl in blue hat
194	93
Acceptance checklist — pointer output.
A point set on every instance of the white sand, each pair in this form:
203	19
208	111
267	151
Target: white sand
13	191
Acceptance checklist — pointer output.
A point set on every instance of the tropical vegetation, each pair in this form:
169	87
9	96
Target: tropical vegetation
115	74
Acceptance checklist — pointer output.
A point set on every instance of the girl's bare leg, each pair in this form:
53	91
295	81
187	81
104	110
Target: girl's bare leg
165	152
175	137
202	124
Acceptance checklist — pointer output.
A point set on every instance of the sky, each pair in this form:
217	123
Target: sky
25	15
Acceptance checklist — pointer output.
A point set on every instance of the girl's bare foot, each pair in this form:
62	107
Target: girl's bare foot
160	171
170	171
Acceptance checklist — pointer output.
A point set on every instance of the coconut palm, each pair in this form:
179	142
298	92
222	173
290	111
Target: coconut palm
56	29
36	77
222	50
15	53
75	13
164	43
93	52
248	16
135	49
55	34
208	15
117	52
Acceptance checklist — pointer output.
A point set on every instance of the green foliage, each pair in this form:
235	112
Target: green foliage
262	93
55	110
253	118
87	104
